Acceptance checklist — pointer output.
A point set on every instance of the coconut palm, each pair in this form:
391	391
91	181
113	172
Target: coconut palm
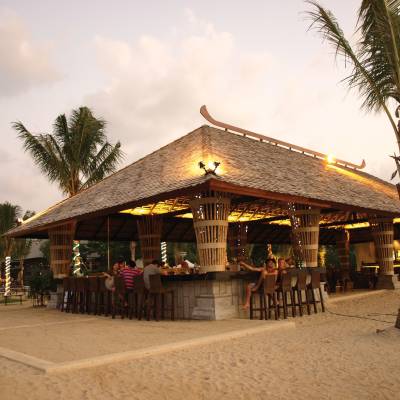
17	248
374	59
77	154
9	215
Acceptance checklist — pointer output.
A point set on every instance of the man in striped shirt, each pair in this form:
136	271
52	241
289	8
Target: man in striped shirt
129	273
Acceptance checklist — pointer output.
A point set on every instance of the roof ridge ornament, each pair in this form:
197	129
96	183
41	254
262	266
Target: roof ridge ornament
204	112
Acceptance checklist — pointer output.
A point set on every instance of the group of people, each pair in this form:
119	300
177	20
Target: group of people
129	272
270	267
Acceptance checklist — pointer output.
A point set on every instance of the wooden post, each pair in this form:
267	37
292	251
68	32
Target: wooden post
305	233
61	238
343	248
210	219
149	228
382	233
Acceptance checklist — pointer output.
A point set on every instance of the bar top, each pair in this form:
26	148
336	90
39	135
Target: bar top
227	275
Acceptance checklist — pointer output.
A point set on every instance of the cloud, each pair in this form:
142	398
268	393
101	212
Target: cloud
157	85
24	63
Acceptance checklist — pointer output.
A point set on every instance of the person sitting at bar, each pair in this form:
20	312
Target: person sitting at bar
281	265
290	263
268	268
114	271
151	269
119	266
184	266
128	273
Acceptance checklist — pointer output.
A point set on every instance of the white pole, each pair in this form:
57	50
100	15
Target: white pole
76	257
7	291
164	251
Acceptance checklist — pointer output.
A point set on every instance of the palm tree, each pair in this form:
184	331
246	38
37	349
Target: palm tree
9	215
77	154
375	58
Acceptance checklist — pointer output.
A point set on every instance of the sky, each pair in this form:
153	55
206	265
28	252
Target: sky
147	67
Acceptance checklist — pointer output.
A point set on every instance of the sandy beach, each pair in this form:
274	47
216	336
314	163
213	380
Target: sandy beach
324	356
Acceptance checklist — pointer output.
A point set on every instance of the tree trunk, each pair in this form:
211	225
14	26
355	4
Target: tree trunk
21	271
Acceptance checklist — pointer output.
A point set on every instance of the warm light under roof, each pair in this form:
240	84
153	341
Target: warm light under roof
330	159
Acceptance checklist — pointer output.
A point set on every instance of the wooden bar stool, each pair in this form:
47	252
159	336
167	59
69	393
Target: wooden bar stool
119	298
92	297
104	297
258	291
80	294
156	300
299	288
138	298
269	289
285	288
68	295
315	284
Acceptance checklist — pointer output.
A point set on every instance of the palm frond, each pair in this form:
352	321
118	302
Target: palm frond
104	163
379	28
71	155
373	82
42	150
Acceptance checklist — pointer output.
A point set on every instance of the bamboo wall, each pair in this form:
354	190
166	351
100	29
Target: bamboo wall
210	220
305	233
149	229
382	233
61	238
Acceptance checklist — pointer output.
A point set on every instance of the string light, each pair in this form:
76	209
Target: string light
164	252
76	258
297	243
7	291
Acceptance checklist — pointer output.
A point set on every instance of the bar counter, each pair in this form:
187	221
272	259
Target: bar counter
214	295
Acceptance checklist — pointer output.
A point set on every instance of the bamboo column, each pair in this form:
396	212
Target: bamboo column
61	238
305	233
149	228
343	248
210	219
382	233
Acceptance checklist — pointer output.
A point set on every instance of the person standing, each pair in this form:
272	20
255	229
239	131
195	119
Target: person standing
151	269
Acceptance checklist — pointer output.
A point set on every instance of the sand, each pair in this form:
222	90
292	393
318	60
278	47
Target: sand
326	356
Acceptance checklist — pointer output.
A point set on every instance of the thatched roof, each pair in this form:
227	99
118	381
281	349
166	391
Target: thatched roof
248	167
